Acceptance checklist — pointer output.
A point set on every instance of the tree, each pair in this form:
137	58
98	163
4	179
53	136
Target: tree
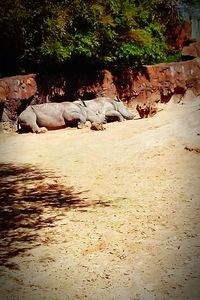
105	33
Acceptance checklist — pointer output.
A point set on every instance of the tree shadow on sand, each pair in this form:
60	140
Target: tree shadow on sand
30	200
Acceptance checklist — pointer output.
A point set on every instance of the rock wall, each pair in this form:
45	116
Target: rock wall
181	34
15	93
85	85
155	83
164	80
192	50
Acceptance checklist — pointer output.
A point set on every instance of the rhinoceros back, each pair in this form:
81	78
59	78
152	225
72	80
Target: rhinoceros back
49	115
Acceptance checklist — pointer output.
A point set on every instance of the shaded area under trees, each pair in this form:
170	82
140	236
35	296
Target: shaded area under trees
31	200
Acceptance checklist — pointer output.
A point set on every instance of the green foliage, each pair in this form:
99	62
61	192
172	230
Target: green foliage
110	33
174	57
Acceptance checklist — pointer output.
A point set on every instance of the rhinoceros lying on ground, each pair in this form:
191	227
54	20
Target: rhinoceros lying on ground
39	118
112	109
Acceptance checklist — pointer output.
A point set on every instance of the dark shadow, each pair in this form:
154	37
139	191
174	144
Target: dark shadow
59	88
178	90
145	73
165	98
187	57
1	110
23	104
30	200
89	95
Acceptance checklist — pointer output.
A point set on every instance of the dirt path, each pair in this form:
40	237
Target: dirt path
103	215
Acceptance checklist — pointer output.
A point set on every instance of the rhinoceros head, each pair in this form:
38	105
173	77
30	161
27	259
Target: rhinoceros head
122	109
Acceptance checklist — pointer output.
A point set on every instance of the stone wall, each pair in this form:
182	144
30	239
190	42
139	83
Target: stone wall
164	80
15	92
155	83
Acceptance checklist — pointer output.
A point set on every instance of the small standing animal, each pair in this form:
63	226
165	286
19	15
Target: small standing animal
146	110
48	116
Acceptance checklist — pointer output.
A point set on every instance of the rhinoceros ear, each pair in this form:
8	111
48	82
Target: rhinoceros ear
117	99
83	102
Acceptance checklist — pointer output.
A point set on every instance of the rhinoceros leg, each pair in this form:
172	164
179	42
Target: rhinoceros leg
33	125
75	116
81	122
41	130
115	114
27	120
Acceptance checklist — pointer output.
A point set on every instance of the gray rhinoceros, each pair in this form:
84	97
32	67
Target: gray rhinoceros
41	117
112	109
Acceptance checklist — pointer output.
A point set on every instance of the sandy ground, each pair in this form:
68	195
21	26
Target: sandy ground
111	214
